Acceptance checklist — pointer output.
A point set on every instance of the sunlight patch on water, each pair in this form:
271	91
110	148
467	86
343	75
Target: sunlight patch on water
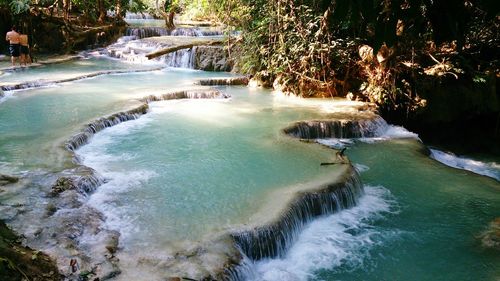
323	105
210	111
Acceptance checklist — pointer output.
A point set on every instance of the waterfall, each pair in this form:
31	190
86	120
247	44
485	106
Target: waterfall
84	136
138	16
84	180
319	129
181	58
145	32
190	94
132	50
100	124
273	240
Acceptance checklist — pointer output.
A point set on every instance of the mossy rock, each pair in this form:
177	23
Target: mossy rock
22	263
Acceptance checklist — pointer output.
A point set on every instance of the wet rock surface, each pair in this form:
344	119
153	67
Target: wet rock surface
6	179
490	238
212	58
233	81
18	262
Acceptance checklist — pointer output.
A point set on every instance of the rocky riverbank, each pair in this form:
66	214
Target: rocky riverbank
18	262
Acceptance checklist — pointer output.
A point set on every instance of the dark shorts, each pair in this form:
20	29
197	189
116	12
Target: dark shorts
24	50
14	50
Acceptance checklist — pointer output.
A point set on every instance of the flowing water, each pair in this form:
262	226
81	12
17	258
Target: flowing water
191	170
419	220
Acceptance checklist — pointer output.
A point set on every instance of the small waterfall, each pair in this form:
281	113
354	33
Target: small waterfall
320	129
275	239
84	136
84	181
145	32
181	59
25	85
192	32
100	124
190	94
234	81
138	16
132	50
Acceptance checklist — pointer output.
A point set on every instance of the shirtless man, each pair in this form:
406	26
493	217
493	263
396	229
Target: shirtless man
13	38
24	49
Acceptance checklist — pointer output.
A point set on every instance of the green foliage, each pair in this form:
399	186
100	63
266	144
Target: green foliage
137	6
298	42
19	6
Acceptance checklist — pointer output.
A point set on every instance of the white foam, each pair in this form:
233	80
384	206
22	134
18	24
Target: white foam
361	168
391	132
490	169
384	132
6	96
95	155
336	143
342	239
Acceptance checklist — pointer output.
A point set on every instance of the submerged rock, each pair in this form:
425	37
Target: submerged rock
112	242
62	184
490	238
82	179
6	179
233	81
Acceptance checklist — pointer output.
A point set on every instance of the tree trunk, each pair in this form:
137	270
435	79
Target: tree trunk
169	20
118	9
66	7
169	17
102	11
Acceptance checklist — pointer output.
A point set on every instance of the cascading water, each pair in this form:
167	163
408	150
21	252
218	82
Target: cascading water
83	137
274	240
135	51
371	127
132	48
136	16
490	169
145	32
191	170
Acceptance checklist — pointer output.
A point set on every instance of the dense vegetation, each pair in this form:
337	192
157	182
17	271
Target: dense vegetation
312	46
430	65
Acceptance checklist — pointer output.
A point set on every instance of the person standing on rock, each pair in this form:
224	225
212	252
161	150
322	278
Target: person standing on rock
24	49
13	38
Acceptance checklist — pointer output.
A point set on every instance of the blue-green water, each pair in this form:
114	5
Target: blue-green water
36	122
192	168
420	220
69	69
